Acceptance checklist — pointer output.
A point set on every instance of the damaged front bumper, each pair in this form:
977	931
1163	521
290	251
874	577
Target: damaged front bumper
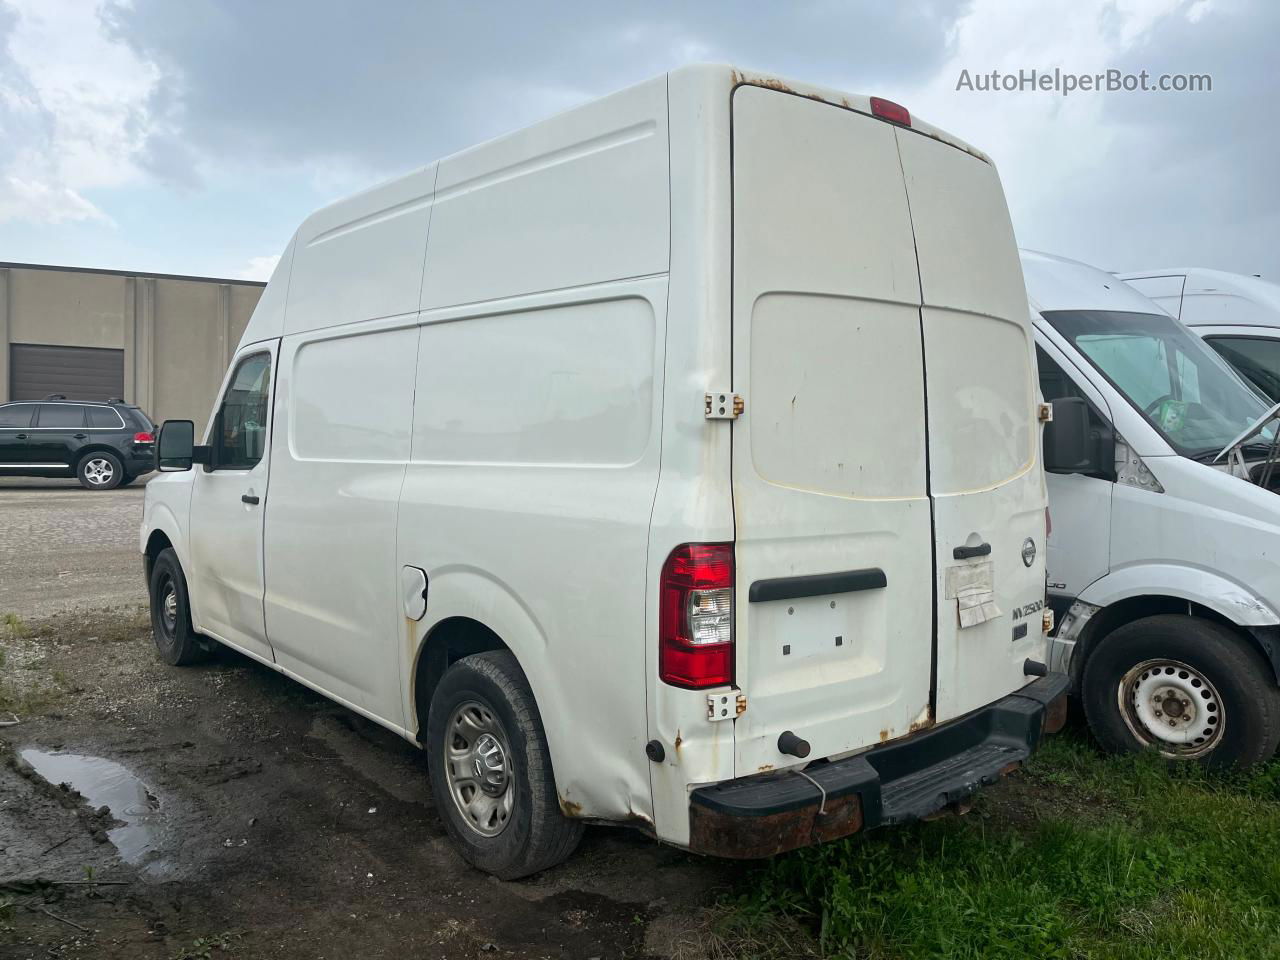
905	780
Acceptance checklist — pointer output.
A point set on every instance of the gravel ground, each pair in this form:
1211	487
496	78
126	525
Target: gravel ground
63	547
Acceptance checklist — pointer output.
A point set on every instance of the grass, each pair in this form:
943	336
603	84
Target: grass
1081	857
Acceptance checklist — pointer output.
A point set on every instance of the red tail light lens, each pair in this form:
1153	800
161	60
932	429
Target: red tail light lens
144	438
888	110
695	616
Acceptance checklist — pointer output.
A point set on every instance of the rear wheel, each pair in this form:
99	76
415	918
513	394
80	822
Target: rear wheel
1189	688
100	470
491	771
176	640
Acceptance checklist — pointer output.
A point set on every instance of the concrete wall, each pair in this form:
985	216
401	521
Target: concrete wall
177	333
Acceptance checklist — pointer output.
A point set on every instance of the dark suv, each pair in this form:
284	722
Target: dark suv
103	444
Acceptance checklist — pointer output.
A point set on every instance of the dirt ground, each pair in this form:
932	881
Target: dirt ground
276	825
269	822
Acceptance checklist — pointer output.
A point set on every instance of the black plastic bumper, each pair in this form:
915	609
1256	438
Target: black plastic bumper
905	780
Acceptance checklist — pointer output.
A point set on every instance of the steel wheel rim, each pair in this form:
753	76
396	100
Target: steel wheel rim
477	764
99	471
169	607
1172	706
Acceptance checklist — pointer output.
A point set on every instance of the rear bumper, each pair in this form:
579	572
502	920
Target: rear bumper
906	780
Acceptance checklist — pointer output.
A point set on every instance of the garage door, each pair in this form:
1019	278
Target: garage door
82	373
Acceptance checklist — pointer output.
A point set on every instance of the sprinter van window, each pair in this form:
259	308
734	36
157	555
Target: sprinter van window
240	429
1181	386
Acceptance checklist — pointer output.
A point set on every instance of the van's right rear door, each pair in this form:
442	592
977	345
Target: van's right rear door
834	546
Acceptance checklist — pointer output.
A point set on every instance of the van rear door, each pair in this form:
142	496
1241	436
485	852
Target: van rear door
988	498
833	539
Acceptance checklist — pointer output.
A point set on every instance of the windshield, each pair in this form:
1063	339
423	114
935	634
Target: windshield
1183	388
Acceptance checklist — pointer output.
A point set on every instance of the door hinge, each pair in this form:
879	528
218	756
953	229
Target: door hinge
726	706
722	405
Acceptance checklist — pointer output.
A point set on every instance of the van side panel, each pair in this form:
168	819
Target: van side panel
580	198
535	457
340	445
361	258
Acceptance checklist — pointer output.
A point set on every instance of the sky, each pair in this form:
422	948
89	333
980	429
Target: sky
193	136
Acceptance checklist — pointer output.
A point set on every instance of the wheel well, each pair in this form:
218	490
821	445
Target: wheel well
97	448
156	544
449	640
1109	619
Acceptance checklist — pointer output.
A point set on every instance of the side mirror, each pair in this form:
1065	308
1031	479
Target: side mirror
1067	442
175	446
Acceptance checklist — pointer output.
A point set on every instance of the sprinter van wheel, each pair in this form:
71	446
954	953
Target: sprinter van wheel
100	470
491	770
176	640
1190	688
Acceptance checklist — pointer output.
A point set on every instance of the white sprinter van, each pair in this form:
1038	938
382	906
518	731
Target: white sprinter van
1164	556
673	462
1237	315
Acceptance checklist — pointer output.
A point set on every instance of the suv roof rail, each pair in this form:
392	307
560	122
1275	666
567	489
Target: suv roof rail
115	400
56	396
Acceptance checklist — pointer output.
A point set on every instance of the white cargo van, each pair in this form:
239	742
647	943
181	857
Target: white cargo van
1237	315
1164	557
673	462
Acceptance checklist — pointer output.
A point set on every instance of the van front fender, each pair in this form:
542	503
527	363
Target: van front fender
1234	601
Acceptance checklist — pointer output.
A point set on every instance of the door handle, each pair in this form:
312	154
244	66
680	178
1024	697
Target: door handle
21	436
79	436
248	498
965	553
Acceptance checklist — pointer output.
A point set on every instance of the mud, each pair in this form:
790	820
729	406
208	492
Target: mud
223	810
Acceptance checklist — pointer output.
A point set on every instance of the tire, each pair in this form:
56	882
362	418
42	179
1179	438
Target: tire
100	470
176	640
1216	694
484	696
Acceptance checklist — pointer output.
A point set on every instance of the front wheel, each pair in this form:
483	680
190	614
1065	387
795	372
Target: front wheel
176	639
491	771
100	470
1189	688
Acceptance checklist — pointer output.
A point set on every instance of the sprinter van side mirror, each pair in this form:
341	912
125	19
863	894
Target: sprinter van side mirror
1066	438
176	448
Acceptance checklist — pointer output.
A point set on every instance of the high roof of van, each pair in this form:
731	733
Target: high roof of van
1056	283
1202	281
364	254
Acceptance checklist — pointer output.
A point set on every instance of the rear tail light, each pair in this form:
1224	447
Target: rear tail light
144	438
695	616
888	110
1048	523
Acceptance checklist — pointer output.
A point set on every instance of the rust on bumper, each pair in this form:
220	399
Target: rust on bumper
720	834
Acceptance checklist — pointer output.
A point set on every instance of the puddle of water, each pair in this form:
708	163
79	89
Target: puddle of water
106	783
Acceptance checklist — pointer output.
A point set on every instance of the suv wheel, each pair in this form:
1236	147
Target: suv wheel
491	772
100	470
176	640
1189	688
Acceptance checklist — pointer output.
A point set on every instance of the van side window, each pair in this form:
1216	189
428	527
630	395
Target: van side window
240	426
1258	358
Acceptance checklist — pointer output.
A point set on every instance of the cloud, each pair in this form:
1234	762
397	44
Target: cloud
259	268
72	113
1126	180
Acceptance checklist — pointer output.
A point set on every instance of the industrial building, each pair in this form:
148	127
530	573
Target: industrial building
158	340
